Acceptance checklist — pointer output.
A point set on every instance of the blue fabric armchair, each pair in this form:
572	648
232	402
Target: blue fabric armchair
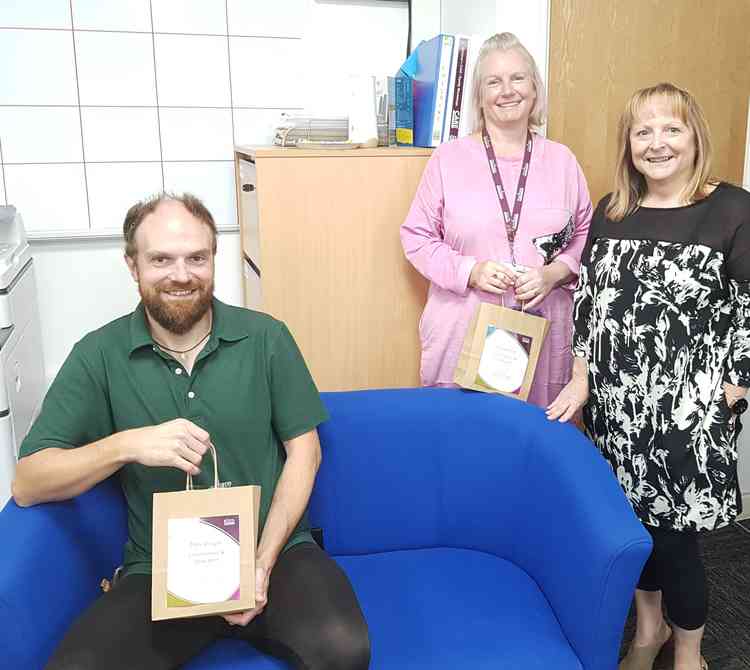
476	534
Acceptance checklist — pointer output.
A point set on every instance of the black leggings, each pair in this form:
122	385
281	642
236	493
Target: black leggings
675	568
312	620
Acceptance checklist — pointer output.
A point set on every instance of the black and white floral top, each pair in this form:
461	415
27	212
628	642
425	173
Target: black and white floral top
662	315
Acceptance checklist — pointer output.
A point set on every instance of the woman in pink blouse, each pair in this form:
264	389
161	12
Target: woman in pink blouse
475	246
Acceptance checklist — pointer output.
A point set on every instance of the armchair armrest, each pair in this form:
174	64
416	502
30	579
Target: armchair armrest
54	558
582	542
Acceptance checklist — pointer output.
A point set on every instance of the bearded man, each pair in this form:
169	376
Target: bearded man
142	398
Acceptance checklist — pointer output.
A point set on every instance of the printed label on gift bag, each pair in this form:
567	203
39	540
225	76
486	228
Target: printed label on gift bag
203	560
505	357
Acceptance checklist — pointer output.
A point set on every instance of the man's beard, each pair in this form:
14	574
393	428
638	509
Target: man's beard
176	315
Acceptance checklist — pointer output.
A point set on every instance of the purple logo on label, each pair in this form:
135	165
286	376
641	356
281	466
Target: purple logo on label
226	524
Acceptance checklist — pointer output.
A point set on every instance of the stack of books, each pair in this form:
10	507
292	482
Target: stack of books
385	110
389	90
433	91
292	129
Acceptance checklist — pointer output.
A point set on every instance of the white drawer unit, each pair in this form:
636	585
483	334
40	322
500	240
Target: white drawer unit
21	361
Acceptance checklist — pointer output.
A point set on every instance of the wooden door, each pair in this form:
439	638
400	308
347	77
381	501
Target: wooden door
603	50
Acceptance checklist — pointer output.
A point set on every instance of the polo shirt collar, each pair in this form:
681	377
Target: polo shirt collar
226	326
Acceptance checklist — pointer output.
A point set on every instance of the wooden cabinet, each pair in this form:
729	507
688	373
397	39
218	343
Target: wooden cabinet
321	247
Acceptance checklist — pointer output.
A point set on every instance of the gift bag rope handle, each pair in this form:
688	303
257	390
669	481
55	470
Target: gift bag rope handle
502	302
189	483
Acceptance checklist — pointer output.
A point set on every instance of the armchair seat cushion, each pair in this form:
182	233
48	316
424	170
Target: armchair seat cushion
235	654
429	609
444	608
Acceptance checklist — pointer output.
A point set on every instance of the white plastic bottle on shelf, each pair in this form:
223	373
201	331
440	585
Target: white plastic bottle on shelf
363	122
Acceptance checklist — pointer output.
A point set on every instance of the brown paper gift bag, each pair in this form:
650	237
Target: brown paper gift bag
204	544
501	350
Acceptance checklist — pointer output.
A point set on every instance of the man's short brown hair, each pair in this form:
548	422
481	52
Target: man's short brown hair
142	209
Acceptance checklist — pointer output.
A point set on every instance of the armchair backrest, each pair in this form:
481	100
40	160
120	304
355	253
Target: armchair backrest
413	468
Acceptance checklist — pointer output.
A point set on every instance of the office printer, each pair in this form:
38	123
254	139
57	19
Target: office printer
22	376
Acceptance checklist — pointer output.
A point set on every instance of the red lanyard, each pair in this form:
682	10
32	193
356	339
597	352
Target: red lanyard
511	219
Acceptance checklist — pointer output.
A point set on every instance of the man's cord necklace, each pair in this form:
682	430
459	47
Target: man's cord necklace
182	351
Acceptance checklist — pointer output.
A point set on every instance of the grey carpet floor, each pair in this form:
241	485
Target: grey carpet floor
726	643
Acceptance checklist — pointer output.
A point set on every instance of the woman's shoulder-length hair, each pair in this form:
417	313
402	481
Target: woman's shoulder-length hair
507	42
630	185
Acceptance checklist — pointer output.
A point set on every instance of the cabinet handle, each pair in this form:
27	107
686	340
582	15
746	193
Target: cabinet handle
247	188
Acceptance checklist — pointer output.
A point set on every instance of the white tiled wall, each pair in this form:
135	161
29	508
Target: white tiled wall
111	15
41	135
272	19
39	14
189	16
114	187
118	134
44	67
103	102
53	193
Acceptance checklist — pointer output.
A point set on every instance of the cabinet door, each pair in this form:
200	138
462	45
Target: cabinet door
251	284
248	192
333	266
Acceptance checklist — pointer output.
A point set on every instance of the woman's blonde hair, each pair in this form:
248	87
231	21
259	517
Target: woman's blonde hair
630	185
507	42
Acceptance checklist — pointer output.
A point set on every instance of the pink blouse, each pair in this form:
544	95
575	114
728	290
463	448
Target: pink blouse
455	221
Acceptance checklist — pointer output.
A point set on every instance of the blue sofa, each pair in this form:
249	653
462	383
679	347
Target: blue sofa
476	534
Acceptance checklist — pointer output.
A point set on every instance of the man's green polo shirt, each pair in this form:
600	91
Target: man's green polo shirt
249	388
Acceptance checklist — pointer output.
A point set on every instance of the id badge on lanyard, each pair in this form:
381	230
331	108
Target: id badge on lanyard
511	219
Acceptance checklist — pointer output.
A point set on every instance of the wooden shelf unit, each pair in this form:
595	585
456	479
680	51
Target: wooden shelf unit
322	229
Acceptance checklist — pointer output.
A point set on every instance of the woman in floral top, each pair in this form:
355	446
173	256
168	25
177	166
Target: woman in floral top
662	354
